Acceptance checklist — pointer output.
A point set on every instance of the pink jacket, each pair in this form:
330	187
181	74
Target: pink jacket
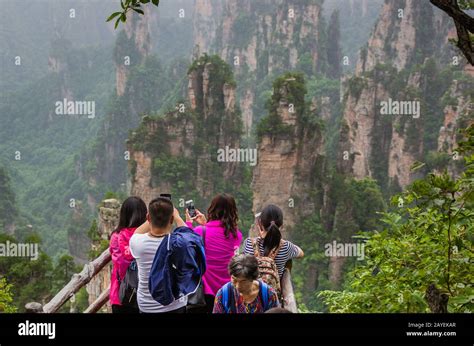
219	251
121	258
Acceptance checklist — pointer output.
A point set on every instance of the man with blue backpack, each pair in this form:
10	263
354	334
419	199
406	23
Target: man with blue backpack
244	293
144	245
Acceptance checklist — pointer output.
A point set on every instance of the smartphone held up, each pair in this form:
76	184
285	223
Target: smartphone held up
191	208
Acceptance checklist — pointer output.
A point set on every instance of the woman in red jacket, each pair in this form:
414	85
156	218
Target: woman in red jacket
132	214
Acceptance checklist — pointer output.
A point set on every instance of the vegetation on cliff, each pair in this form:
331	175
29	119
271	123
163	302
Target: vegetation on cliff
426	240
211	126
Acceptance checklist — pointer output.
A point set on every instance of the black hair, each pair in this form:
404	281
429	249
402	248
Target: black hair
271	219
161	211
132	213
224	209
244	265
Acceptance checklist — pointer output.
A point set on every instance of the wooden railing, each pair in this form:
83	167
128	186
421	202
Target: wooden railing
74	285
99	302
93	268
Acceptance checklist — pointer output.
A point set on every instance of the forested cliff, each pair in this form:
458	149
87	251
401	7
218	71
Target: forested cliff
331	104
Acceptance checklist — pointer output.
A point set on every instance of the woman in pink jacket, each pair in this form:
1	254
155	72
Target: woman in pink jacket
132	214
222	240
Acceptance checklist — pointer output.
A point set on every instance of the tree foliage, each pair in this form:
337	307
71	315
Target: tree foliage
427	241
31	279
6	297
291	89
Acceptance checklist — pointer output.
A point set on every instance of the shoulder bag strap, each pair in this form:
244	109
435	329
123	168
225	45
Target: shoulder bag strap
204	235
256	250
264	295
228	300
233	307
274	253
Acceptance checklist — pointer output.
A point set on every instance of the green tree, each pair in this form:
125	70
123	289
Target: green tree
357	203
62	273
295	90
6	297
30	278
428	241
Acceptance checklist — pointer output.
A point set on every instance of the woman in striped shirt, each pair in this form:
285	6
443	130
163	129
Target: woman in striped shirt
268	225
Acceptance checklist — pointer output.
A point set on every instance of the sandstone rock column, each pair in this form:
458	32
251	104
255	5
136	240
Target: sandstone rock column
109	213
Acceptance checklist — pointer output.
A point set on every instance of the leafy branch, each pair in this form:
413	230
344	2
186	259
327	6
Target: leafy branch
129	5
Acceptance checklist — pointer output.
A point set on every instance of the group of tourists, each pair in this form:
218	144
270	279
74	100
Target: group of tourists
164	264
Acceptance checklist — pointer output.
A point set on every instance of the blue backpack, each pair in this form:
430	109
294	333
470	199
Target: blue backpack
178	266
228	298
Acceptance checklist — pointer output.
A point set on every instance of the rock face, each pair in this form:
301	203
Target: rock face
258	38
363	4
403	27
58	65
78	242
359	119
394	32
109	214
137	31
405	56
104	164
290	164
458	114
206	23
142	180
145	181
372	143
191	136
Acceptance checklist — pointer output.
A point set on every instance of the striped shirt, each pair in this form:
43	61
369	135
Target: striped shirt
287	252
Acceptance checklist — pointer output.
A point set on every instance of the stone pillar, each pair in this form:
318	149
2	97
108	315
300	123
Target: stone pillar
109	213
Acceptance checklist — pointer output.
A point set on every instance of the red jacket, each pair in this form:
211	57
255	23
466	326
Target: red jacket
121	258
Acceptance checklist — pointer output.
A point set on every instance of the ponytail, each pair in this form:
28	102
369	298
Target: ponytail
271	220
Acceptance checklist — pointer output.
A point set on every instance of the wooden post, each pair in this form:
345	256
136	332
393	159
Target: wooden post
77	282
99	302
288	295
